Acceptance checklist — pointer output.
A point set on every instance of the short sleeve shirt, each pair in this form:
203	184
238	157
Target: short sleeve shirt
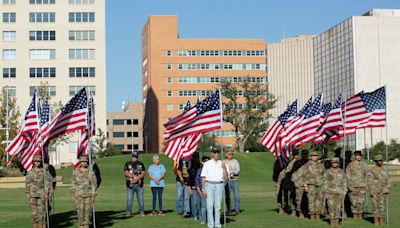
157	172
136	169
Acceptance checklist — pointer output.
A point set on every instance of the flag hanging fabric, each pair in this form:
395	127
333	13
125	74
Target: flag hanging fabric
331	129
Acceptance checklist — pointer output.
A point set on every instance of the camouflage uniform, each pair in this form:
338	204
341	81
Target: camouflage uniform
335	188
356	173
379	187
313	180
37	183
83	190
290	184
297	179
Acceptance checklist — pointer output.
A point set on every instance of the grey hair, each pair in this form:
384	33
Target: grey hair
156	157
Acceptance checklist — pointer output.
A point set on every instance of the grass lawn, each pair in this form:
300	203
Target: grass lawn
256	191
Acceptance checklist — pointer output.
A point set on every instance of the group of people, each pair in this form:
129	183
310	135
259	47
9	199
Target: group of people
312	185
199	186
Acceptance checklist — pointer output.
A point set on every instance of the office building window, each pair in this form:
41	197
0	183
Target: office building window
51	90
169	80
81	54
170	107
42	2
39	17
81	2
168	53
84	17
9	72
133	147
132	122
182	106
120	146
42	54
9	17
118	122
169	93
42	35
9	35
12	90
146	74
42	72
75	89
169	66
9	54
82	35
9	2
118	134
135	134
82	72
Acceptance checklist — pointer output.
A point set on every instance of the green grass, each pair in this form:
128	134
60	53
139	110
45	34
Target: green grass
256	191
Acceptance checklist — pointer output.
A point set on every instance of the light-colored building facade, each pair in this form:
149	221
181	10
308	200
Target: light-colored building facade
291	71
61	42
362	53
125	128
175	70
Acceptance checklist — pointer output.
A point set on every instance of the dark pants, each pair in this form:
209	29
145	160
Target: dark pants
157	191
283	197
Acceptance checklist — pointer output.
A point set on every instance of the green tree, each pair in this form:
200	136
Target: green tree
100	145
380	148
246	107
206	143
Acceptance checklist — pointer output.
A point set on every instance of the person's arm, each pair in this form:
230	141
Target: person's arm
73	186
164	173
225	170
237	168
126	171
28	182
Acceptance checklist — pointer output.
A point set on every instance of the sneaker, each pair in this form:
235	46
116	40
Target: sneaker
128	214
202	223
142	214
161	213
187	216
152	213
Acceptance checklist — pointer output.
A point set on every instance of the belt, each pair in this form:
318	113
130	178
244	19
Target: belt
214	182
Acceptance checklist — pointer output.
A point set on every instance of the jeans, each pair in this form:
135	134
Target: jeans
157	191
214	197
139	195
232	186
195	201
182	192
203	206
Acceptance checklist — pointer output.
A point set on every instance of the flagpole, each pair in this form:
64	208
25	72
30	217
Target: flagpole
90	149
387	157
222	150
344	143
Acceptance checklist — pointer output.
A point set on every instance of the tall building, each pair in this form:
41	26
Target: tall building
125	128
291	71
362	53
59	42
176	69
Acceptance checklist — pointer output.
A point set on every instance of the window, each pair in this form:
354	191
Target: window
118	122
9	54
119	146
42	72
133	147
118	134
82	35
44	2
79	72
9	2
42	35
169	93
9	72
73	146
135	122
12	90
81	17
81	2
145	87
168	53
144	62
51	90
135	134
169	80
170	107
9	35
169	66
9	17
42	54
182	106
75	89
81	54
146	74
39	17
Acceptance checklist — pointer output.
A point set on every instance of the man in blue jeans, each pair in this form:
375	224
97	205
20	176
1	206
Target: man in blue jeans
232	185
134	172
182	188
199	186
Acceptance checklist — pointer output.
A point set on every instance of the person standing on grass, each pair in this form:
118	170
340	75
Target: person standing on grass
134	171
213	174
232	184
199	186
195	197
157	174
182	188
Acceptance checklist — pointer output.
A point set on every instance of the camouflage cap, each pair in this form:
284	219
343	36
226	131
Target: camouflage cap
83	158
335	160
313	153
378	157
37	158
357	152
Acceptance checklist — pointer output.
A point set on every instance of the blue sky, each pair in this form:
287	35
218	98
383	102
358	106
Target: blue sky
264	19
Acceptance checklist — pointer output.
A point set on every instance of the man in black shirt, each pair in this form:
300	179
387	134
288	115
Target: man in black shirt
182	187
134	172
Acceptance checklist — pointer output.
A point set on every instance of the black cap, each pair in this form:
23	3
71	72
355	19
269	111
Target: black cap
135	154
304	152
337	149
357	152
295	152
214	150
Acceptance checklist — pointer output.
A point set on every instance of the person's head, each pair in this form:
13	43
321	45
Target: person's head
378	159
84	161
337	151
357	155
347	154
204	159
304	154
229	155
295	153
215	153
37	161
314	156
156	159
335	163
135	156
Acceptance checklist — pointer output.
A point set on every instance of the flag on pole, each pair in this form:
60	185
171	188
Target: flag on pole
332	127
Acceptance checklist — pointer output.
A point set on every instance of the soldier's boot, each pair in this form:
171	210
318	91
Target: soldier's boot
376	221
280	210
381	221
332	223
293	213
312	217
337	222
318	217
301	215
345	215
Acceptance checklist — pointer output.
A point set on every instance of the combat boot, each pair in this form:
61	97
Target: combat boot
332	223
318	217
337	222
381	221
293	213
376	221
301	215
280	210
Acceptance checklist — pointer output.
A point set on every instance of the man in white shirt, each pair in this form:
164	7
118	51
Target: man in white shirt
232	184
213	175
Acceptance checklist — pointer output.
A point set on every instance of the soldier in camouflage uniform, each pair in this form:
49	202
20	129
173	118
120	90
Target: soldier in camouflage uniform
313	180
335	188
379	188
83	190
356	173
288	183
38	190
296	177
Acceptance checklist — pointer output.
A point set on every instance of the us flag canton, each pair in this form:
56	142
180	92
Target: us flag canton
304	110
326	108
45	115
291	111
375	100
32	106
338	102
315	108
76	103
209	104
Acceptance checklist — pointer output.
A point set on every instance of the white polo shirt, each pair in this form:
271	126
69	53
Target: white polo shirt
213	171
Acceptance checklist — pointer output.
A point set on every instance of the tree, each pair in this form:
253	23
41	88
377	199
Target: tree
206	143
380	148
13	121
100	146
246	107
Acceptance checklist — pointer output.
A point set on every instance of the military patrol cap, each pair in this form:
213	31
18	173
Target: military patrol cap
37	158
83	158
215	150
314	153
335	160
337	149
135	154
295	152
378	157
357	152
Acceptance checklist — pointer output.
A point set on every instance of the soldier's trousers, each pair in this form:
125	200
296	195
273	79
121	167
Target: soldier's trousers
299	196
357	198
379	204
334	205
84	210
38	209
315	199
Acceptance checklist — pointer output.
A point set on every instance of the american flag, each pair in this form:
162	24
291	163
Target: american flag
365	110
306	131
188	114
333	123
83	144
208	118
272	136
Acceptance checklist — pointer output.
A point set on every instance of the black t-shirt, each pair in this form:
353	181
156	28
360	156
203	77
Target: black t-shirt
135	168
180	167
